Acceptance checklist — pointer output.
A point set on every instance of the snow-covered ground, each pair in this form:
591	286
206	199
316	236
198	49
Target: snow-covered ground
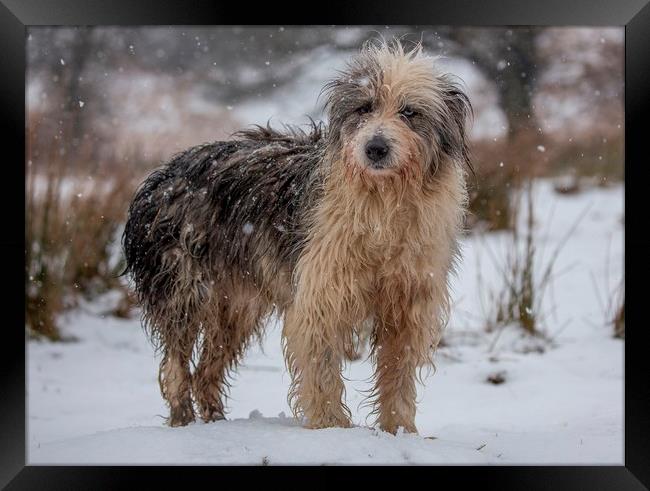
96	400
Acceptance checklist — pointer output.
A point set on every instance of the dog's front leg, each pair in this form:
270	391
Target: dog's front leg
407	331
330	300
314	352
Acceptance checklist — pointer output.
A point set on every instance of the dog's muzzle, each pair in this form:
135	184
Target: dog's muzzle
376	150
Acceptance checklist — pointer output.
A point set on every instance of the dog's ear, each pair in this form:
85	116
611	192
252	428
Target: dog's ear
453	132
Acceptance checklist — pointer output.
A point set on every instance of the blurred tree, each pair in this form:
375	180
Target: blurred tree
507	57
71	81
63	53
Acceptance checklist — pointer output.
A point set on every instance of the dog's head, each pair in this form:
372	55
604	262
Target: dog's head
393	115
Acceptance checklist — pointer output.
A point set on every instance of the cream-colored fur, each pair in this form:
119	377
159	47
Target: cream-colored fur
381	245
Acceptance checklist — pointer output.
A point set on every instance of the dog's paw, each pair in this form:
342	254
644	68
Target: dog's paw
181	415
329	422
211	415
397	428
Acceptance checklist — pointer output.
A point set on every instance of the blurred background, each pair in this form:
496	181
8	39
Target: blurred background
106	105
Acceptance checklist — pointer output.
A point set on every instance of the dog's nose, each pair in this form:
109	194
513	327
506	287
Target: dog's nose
376	148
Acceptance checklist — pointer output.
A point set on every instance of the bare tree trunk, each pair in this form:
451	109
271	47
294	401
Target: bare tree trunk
509	59
70	71
515	82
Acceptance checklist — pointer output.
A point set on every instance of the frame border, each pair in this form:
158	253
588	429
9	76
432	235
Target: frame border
16	15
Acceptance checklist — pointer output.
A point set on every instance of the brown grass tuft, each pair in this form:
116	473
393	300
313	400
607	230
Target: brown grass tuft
71	235
518	300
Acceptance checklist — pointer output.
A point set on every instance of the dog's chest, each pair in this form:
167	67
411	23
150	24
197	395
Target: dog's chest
386	241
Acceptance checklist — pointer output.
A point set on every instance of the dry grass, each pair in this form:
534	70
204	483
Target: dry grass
614	312
489	203
618	322
598	156
72	236
501	169
518	302
503	166
525	274
611	301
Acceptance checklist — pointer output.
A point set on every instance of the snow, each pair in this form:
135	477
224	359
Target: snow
96	400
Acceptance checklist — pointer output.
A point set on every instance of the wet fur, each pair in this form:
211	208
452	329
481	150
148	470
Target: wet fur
295	223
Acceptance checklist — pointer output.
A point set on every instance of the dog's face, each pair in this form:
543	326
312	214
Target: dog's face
392	115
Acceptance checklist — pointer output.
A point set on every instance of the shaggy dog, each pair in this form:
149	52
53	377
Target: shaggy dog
329	228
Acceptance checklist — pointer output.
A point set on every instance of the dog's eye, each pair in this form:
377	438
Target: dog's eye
366	108
408	111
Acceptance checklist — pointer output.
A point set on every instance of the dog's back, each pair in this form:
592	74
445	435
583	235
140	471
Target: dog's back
224	206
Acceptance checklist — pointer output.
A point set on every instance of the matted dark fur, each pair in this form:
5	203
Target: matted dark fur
202	223
227	233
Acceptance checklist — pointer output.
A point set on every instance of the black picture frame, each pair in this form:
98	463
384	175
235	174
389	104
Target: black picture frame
634	15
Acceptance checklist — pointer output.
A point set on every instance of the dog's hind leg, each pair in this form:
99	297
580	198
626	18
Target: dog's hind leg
209	379
176	320
175	381
224	343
